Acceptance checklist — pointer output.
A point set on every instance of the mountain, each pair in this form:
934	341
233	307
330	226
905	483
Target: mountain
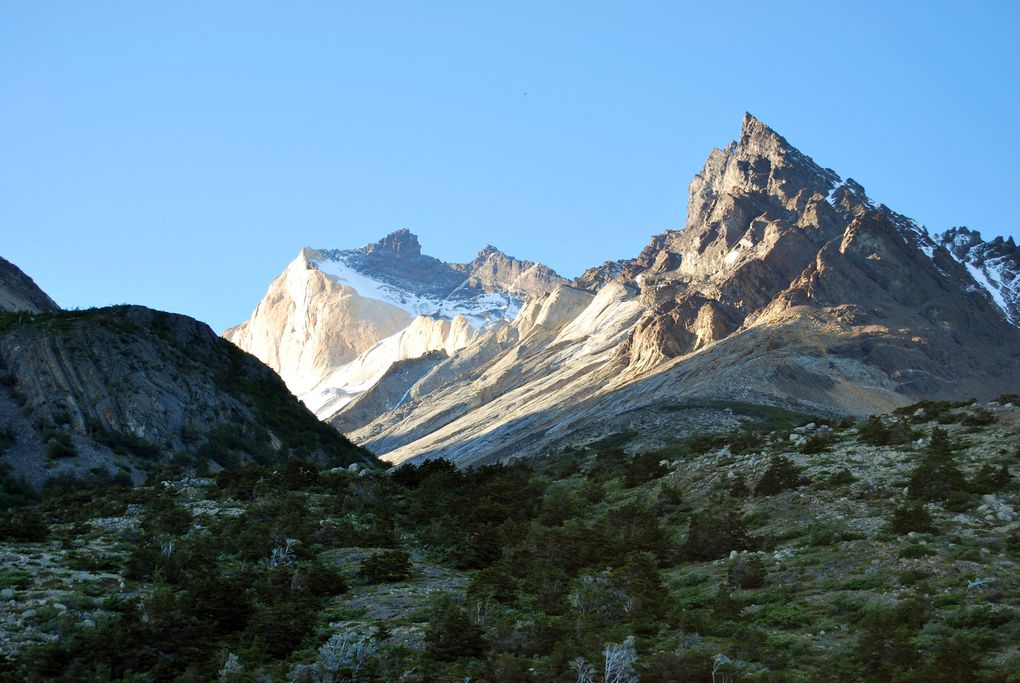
336	320
994	265
121	391
18	292
787	287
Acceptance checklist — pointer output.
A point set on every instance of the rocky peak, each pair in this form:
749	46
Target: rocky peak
994	266
960	241
18	292
399	243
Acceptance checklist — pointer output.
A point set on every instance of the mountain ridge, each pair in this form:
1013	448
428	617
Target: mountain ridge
787	286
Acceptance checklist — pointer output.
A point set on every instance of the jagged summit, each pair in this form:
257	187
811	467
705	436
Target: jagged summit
787	284
994	266
336	319
399	243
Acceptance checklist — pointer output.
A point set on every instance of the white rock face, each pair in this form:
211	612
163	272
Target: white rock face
348	381
335	321
308	324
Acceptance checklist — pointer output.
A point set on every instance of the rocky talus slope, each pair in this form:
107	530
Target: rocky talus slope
18	292
118	392
788	286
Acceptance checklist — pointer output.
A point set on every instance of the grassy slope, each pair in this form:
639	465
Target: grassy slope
550	565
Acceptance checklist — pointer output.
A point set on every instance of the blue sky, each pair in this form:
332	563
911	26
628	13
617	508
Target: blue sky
179	154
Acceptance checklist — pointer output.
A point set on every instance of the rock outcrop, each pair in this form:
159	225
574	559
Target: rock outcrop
18	292
995	266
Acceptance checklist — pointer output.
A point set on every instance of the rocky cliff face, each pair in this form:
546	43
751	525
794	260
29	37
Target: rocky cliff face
336	320
995	266
787	286
128	389
18	292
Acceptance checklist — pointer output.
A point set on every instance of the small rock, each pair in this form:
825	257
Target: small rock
7	594
733	554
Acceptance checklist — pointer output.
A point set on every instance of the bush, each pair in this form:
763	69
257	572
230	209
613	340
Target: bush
936	476
60	445
979	418
990	478
917	550
451	634
817	443
781	475
715	531
386	567
911	516
24	526
746	571
7	438
875	432
841	477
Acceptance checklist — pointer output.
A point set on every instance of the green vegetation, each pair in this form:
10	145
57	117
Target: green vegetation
516	572
386	567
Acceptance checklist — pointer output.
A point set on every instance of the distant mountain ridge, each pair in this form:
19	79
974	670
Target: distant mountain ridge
788	286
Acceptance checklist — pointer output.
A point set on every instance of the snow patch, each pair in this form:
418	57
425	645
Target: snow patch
478	310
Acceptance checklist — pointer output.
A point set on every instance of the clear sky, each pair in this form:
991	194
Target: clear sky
179	154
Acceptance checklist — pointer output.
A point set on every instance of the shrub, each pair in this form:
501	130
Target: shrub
911	516
841	477
60	445
817	443
451	634
386	567
875	432
990	478
7	438
936	476
917	550
644	467
746	571
715	531
781	475
979	418
738	487
26	526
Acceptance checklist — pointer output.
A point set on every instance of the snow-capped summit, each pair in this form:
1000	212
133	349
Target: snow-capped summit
994	265
335	321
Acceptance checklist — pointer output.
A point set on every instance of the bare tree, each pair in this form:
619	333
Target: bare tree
620	659
585	671
719	662
283	554
344	655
